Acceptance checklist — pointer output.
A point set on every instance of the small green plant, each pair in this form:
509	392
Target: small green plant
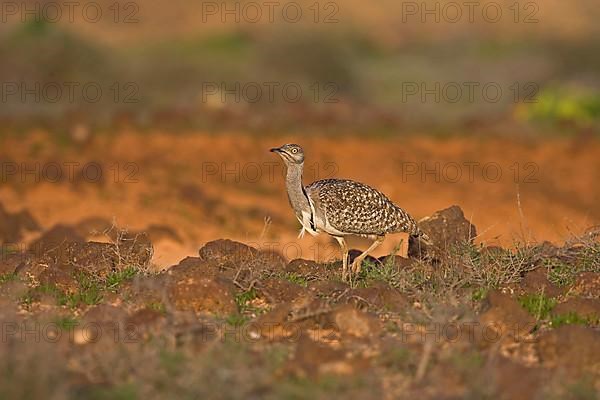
479	294
572	318
398	359
298	279
4	278
157	306
242	300
66	323
560	273
538	305
90	291
236	319
116	278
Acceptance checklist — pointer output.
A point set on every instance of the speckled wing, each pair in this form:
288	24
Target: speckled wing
355	208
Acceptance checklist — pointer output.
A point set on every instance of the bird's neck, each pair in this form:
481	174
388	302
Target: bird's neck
296	193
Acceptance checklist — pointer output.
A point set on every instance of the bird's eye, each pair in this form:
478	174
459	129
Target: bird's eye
294	151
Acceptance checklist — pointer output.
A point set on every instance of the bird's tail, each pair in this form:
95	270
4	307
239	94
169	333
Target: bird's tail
422	236
409	225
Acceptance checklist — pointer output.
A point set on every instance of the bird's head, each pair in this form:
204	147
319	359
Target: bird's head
290	153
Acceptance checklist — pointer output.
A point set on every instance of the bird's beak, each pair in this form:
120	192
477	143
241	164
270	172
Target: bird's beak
275	150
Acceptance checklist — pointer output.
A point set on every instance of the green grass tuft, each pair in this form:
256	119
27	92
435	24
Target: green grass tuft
538	305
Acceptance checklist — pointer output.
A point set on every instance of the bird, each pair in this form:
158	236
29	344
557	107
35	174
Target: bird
343	207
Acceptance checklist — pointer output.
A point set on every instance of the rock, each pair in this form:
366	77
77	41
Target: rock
313	358
12	226
60	279
145	290
380	296
328	289
231	254
9	263
273	325
54	240
536	281
304	267
585	308
193	266
503	319
135	250
350	321
445	228
514	381
104	314
142	324
95	258
225	251
203	294
587	284
280	291
572	348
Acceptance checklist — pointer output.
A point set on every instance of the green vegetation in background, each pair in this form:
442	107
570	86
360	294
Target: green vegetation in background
578	107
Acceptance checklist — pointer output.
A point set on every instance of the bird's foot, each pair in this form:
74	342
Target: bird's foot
356	267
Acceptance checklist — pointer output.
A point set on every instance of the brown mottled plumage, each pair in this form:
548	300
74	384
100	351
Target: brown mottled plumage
342	207
355	208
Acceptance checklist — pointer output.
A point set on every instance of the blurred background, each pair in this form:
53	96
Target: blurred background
158	116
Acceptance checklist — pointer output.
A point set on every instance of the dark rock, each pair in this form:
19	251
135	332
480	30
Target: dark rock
274	325
305	267
55	240
230	254
514	381
351	321
572	348
587	284
225	251
61	279
503	319
585	308
135	250
380	296
104	314
536	281
143	323
193	266
12	226
280	291
313	358
445	228
203	294
328	288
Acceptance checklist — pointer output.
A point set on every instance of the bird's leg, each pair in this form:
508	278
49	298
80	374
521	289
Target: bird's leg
344	248
357	264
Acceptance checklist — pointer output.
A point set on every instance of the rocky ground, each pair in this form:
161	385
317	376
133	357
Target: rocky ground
455	320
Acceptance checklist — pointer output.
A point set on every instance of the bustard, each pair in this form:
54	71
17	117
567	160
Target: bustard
342	207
